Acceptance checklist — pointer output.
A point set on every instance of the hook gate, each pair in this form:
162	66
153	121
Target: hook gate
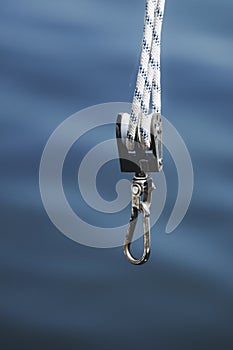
142	187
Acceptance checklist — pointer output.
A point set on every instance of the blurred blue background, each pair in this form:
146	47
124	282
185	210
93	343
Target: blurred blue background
57	57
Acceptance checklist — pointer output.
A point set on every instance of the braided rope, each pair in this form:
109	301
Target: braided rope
148	79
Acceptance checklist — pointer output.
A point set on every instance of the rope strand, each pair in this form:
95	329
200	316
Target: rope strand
148	80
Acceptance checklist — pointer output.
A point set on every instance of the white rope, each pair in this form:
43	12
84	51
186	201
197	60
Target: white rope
148	79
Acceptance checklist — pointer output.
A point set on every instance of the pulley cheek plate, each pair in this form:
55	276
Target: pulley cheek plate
140	160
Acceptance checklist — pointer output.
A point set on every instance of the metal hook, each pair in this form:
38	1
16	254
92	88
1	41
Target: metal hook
142	187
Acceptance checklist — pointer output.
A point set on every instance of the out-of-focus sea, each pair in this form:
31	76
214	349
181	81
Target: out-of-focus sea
57	57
